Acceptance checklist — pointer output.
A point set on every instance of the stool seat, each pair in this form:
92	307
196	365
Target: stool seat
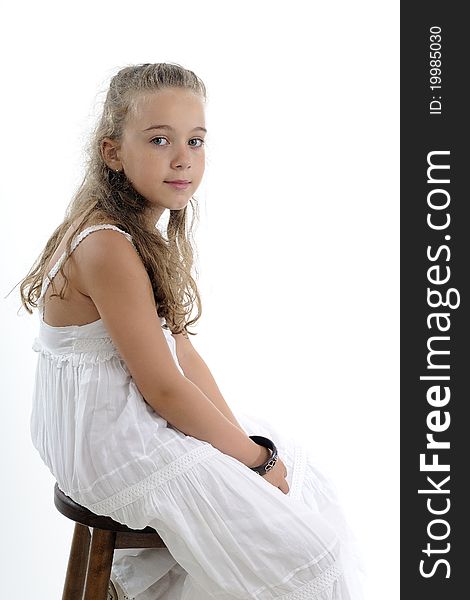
80	514
91	554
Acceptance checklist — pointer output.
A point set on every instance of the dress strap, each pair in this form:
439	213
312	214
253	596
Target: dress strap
77	239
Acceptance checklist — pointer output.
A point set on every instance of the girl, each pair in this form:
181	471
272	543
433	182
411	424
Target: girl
127	415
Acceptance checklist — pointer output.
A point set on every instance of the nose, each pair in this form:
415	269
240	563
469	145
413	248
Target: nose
181	157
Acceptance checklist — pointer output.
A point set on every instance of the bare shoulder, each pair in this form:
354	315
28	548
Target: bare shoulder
103	253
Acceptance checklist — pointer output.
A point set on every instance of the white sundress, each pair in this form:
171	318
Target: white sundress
229	533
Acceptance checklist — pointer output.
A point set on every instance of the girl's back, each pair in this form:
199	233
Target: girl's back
76	307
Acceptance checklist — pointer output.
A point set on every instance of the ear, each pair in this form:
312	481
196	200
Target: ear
110	152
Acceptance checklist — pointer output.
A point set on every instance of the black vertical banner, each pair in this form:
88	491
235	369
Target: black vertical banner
435	314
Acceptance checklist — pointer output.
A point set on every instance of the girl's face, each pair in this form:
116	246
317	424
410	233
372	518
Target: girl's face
163	140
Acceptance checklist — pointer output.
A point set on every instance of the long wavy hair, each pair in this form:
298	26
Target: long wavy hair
168	259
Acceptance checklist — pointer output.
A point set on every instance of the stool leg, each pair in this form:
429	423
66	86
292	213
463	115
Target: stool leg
99	564
77	565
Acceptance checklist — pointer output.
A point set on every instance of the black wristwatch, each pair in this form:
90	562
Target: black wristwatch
269	464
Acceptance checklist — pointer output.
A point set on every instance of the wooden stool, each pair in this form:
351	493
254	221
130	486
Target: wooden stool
89	569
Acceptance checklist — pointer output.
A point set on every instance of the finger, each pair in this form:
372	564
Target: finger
284	487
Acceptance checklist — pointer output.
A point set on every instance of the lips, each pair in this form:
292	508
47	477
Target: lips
178	184
177	181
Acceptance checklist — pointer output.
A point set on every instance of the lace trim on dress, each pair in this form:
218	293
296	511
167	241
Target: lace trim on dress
316	586
93	344
298	475
172	470
84	350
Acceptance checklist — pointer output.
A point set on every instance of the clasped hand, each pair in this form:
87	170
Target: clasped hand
277	476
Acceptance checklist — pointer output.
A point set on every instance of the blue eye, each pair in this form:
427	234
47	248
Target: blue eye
158	138
198	140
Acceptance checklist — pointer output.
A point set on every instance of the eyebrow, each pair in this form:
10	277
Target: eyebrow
171	128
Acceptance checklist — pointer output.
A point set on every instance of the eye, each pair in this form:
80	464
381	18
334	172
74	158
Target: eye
158	138
198	140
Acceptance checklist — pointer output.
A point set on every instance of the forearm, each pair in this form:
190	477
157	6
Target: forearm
188	409
199	373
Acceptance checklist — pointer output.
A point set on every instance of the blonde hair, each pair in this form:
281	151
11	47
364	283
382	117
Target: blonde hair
168	261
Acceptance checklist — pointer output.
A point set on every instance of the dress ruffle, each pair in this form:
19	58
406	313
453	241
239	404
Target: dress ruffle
86	351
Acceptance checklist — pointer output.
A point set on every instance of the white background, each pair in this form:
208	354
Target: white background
298	236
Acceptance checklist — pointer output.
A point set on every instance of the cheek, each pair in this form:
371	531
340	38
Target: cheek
146	164
201	162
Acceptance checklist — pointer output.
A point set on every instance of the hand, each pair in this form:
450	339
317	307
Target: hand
277	476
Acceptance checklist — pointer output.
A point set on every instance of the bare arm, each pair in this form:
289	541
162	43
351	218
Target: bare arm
111	273
199	373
